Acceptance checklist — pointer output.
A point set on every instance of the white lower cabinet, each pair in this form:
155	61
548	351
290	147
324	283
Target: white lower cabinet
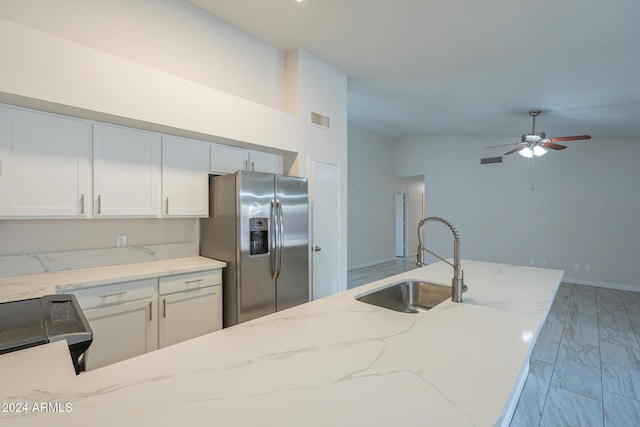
123	318
120	332
190	305
189	314
133	318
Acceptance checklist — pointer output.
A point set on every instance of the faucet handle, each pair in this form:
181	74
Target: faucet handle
465	288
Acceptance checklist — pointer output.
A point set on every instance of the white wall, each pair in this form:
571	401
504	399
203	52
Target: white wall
168	35
371	199
372	186
579	205
69	71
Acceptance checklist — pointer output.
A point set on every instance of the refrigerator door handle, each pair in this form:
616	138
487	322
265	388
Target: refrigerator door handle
280	236
273	220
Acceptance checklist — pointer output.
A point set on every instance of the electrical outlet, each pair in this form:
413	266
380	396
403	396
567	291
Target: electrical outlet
587	267
121	241
543	263
576	266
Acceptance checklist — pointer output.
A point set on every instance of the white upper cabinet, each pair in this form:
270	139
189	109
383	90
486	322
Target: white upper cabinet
185	177
126	172
44	165
265	162
226	160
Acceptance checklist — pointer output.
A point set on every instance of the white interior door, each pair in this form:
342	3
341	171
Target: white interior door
401	224
325	238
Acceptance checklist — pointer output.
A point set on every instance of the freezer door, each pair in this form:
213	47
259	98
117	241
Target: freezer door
255	286
292	284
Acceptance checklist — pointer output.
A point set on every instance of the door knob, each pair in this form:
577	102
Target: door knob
317	248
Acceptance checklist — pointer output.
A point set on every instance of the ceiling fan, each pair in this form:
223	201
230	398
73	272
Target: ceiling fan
535	144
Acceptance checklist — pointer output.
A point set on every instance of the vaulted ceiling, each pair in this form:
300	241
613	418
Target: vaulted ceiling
465	67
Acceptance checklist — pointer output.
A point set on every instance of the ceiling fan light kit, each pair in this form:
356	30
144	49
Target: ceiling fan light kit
529	152
534	144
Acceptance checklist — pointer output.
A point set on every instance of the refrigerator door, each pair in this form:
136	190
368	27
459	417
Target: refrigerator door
256	291
293	227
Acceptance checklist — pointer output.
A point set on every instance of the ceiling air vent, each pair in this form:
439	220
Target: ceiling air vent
320	120
488	160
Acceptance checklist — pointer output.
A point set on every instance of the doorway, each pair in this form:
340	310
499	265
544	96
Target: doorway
401	226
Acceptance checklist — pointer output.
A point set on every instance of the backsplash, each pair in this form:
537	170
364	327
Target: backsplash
15	265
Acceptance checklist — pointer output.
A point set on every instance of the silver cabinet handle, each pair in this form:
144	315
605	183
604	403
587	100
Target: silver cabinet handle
166	209
246	165
82	204
317	248
150	311
188	282
164	308
253	166
115	294
99	204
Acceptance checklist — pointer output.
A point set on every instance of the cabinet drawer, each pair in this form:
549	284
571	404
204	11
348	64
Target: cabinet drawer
116	293
183	282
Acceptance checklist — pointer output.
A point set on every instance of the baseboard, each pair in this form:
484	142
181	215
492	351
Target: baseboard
616	286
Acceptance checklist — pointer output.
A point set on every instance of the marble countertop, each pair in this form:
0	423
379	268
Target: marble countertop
36	285
333	361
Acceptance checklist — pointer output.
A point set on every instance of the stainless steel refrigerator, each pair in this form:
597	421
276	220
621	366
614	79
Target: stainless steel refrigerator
259	224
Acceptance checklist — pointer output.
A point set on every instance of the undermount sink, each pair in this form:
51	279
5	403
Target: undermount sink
410	296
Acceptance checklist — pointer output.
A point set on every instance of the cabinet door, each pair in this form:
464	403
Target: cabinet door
189	314
126	172
225	159
265	162
185	179
120	332
44	164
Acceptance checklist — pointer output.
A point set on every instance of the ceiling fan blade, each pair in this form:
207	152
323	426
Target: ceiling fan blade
515	150
553	146
502	145
570	138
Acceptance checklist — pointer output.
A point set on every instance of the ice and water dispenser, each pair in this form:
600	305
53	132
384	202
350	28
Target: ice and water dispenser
259	228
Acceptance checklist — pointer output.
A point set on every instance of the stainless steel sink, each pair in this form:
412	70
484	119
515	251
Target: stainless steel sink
411	296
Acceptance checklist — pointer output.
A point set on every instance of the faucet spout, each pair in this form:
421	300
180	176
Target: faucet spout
457	283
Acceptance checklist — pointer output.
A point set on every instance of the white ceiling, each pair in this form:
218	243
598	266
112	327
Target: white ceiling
467	67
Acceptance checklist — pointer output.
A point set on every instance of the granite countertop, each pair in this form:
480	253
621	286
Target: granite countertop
36	285
333	361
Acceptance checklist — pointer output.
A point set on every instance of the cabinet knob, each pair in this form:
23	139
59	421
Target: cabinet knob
317	248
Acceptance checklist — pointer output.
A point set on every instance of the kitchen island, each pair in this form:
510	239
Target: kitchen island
334	361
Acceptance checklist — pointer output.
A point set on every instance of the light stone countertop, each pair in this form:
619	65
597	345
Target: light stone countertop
334	361
36	285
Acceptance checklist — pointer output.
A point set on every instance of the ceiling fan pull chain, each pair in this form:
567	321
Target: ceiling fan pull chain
530	164
533	181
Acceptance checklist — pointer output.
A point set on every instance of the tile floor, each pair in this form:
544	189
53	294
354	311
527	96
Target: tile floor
585	366
360	276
